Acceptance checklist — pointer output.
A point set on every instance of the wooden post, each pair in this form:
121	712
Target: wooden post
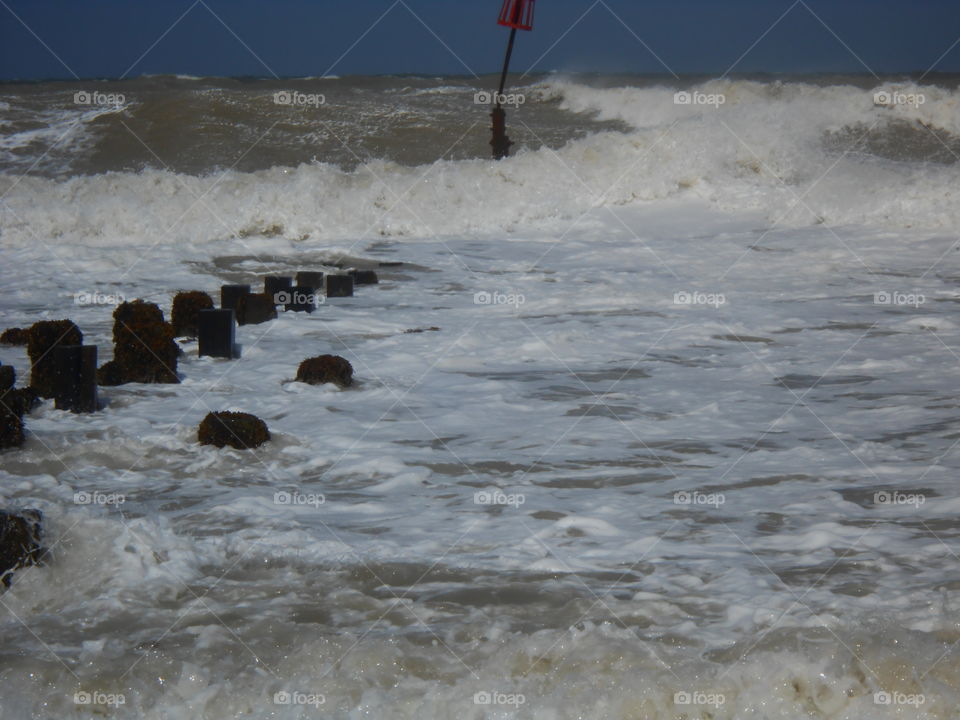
75	386
217	333
339	286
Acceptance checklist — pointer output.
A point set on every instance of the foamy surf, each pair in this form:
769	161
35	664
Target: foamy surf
663	443
797	152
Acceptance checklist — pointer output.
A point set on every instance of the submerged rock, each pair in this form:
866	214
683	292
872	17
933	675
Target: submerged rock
109	374
184	315
21	400
236	429
14	404
15	336
8	377
44	336
21	537
143	350
326	369
11	426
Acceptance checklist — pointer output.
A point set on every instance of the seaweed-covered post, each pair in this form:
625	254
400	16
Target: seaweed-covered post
256	308
143	347
21	542
14	404
326	369
183	315
239	430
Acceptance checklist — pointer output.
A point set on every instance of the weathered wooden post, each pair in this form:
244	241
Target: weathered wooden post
274	284
75	384
217	336
312	279
364	277
301	298
339	286
230	295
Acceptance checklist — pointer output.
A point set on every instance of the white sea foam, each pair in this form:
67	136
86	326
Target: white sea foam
53	130
620	414
762	150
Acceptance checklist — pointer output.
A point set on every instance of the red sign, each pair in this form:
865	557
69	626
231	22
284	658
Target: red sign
517	14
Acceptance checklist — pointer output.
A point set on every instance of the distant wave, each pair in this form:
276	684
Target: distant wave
797	152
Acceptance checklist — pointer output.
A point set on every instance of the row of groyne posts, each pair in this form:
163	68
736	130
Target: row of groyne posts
65	369
74	376
238	304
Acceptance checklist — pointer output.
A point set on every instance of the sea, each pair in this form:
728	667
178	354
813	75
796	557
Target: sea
655	419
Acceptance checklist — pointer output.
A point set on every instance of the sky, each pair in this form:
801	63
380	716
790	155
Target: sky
45	39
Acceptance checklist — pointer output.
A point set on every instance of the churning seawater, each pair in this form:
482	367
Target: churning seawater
656	419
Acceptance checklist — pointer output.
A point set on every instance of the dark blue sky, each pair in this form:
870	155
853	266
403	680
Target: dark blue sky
109	38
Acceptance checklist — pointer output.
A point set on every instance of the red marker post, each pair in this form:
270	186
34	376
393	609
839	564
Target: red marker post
516	15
